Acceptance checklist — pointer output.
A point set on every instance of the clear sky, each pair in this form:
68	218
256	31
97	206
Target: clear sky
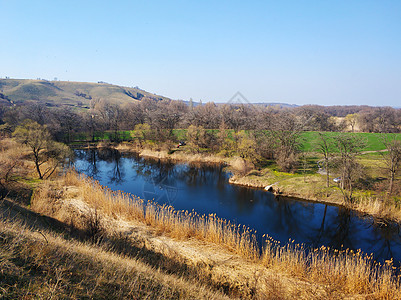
301	52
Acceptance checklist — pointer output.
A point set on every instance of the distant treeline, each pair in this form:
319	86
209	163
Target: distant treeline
246	130
256	133
168	115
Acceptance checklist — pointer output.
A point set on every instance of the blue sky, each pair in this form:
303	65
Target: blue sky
302	52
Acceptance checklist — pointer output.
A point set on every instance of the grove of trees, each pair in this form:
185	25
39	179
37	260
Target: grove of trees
254	132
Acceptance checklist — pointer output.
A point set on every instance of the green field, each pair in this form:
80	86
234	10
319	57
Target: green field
124	135
373	140
309	138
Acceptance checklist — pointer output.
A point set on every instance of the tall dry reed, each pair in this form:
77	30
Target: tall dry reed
349	272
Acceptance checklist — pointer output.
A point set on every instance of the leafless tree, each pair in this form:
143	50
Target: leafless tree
65	121
391	158
11	164
315	118
380	119
349	146
46	153
287	134
325	146
133	115
207	116
111	116
163	116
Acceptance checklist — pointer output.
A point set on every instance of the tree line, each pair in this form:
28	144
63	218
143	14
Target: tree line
170	114
254	132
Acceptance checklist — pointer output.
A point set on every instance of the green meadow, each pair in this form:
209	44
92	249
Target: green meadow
373	140
309	139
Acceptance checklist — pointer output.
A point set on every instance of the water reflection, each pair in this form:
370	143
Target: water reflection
206	190
340	228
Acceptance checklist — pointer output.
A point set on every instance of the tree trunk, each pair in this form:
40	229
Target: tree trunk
390	190
327	172
38	166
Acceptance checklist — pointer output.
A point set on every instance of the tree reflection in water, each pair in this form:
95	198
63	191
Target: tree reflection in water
341	229
91	157
386	237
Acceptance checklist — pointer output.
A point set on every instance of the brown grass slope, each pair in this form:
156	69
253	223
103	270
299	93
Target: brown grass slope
41	259
58	93
205	249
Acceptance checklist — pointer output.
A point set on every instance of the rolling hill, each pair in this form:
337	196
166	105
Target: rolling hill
57	93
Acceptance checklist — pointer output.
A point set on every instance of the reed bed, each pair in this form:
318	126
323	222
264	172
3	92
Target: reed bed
179	224
345	271
348	271
383	206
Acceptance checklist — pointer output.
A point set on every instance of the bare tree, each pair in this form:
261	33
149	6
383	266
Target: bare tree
207	116
314	117
111	115
47	154
325	147
380	119
65	123
133	115
163	116
392	158
287	135
11	164
348	147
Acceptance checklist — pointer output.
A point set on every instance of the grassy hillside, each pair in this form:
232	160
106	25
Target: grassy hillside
56	93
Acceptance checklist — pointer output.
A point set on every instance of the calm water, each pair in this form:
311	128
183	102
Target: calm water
206	190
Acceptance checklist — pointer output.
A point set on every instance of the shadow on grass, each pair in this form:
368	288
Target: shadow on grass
119	243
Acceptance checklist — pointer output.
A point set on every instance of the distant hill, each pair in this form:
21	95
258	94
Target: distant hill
273	104
57	93
277	104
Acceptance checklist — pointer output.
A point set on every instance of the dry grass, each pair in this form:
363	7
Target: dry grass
180	156
45	266
382	207
338	272
179	224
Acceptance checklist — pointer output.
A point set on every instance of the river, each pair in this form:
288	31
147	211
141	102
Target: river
205	189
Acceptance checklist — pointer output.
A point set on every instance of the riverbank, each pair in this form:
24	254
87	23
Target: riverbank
207	250
82	240
309	187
